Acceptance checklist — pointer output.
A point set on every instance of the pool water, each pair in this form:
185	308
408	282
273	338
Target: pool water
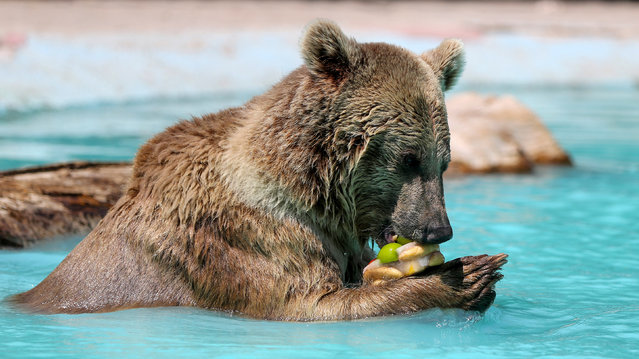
570	289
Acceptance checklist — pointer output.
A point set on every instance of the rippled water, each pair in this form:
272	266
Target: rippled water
571	288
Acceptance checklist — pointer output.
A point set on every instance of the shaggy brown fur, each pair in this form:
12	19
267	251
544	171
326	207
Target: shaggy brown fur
266	209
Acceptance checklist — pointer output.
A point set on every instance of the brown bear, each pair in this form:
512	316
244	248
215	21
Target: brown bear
266	210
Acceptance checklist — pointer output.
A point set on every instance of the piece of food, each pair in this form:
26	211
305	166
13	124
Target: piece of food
395	261
414	250
388	253
377	272
436	258
401	240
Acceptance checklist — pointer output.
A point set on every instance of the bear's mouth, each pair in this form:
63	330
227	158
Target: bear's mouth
388	235
388	238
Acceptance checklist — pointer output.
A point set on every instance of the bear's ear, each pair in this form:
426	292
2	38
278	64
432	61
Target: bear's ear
447	61
327	52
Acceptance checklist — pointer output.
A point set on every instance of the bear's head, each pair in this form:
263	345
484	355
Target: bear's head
387	128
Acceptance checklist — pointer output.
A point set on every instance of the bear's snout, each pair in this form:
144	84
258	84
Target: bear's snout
436	235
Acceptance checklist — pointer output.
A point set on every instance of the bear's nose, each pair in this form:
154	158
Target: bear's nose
437	235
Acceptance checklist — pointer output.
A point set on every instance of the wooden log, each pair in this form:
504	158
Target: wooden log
62	199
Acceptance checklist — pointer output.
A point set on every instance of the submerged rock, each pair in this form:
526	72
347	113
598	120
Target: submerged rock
498	134
488	134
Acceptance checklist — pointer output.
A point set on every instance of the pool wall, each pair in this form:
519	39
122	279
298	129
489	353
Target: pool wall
48	68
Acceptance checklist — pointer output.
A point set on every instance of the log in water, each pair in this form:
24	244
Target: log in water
61	199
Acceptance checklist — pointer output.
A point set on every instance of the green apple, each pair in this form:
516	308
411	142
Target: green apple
388	253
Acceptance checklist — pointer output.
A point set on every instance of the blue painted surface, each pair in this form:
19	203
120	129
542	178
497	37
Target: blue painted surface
571	288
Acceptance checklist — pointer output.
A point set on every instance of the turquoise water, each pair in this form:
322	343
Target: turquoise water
570	289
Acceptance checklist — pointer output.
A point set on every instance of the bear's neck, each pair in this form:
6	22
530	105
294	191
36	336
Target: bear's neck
291	168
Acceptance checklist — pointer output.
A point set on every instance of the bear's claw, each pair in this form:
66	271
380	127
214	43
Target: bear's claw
481	273
472	279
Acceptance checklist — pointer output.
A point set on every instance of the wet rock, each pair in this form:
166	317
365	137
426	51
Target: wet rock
491	134
44	202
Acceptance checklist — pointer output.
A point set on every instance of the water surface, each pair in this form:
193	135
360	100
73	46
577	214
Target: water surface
571	288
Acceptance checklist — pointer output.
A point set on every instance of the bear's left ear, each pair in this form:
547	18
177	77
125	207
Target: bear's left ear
327	52
447	61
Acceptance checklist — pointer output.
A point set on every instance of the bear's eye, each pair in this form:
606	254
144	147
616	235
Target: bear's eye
410	160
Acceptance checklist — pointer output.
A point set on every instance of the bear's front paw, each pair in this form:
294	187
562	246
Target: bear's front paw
473	279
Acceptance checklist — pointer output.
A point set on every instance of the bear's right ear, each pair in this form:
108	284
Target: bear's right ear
327	52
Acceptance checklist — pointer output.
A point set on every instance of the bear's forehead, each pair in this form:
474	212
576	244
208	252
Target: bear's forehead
401	79
404	89
389	60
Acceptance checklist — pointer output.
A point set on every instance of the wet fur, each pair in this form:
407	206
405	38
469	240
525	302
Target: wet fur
266	209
